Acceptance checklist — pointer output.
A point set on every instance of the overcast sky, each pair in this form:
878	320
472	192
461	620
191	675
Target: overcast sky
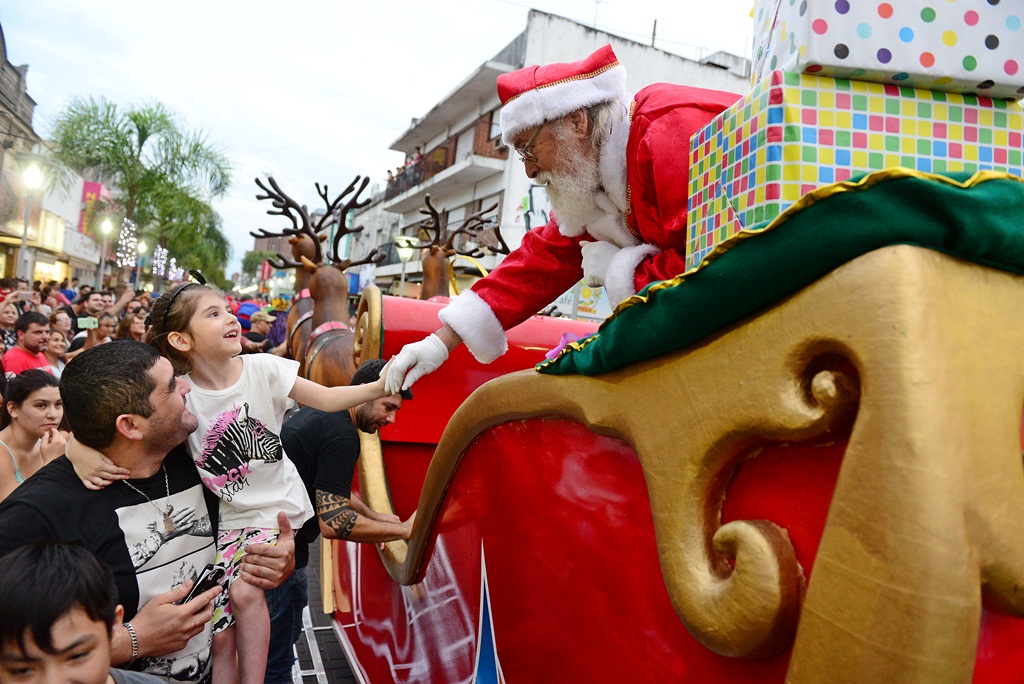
306	90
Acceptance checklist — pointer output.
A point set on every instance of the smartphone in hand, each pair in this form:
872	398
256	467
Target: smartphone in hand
87	322
210	577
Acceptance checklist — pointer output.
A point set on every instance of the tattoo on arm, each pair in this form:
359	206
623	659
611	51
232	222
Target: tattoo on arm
336	513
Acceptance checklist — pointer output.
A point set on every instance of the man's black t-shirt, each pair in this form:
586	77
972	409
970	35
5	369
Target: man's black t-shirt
324	448
127	531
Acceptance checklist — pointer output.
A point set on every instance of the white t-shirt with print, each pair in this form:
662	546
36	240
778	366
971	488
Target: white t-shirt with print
238	450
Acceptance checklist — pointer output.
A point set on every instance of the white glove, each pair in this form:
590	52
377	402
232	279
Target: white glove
596	257
413	362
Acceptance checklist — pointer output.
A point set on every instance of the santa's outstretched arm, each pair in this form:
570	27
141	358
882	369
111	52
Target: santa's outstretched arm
545	265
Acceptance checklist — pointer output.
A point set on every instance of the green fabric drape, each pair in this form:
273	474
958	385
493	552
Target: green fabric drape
979	218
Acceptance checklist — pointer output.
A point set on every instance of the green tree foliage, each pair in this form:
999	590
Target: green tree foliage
253	260
161	177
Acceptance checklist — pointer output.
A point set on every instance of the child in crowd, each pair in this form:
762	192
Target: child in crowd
58	608
240	402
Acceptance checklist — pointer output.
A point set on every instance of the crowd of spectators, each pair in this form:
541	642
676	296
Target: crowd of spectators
409	173
32	316
43	327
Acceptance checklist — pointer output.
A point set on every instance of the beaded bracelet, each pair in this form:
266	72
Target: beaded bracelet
135	642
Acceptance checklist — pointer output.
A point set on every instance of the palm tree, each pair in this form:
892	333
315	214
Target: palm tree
189	229
161	177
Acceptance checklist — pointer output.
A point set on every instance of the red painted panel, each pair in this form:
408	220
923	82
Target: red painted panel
410	320
563	518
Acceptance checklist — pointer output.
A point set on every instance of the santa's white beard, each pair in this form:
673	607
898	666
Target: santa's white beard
572	193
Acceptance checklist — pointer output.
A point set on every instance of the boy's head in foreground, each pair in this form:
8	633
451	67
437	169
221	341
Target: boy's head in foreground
58	606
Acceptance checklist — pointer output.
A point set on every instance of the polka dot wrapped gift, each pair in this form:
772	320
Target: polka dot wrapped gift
794	133
964	46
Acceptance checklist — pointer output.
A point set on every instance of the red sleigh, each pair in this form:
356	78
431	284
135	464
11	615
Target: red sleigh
826	489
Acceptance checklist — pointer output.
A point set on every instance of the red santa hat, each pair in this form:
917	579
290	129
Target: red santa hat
535	94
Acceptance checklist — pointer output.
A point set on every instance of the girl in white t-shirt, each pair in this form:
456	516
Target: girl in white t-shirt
240	402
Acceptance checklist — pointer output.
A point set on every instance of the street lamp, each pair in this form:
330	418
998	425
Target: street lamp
405	252
105	227
32	178
138	266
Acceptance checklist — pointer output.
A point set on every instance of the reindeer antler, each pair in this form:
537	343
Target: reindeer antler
502	245
471	226
342	212
431	226
351	204
331	205
295	212
283	262
374	257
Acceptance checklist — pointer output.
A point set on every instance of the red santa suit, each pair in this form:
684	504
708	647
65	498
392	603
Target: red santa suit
641	208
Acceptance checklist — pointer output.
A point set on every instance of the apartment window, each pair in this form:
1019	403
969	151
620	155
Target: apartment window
495	134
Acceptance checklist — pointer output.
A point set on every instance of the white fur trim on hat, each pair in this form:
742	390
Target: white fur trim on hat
618	281
471	317
534	107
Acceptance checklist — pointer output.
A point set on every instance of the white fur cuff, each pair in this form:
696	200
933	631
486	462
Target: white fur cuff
618	280
471	317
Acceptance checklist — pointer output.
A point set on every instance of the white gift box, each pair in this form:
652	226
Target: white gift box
965	46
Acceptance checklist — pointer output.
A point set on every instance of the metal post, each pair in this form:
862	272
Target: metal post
405	252
103	261
31	178
138	265
23	251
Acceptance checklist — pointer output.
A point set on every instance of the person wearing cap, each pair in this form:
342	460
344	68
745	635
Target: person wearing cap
259	325
616	170
258	338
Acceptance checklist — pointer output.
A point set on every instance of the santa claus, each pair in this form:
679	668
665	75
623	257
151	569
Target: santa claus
616	170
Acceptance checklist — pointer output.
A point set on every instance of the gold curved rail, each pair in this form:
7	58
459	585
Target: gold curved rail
451	270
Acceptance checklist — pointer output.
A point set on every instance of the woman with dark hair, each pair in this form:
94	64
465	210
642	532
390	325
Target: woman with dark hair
31	438
132	327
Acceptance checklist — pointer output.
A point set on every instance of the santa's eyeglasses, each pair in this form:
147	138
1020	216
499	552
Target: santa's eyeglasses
524	152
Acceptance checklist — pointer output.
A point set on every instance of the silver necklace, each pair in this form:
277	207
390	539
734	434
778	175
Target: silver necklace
168	522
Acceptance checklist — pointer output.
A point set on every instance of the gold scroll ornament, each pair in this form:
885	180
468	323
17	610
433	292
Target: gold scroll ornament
923	355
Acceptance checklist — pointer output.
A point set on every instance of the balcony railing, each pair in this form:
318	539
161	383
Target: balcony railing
433	163
444	156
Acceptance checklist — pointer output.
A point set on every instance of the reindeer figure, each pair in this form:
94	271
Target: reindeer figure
300	313
441	246
327	357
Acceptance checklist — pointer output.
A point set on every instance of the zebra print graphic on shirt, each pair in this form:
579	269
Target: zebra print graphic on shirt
234	439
